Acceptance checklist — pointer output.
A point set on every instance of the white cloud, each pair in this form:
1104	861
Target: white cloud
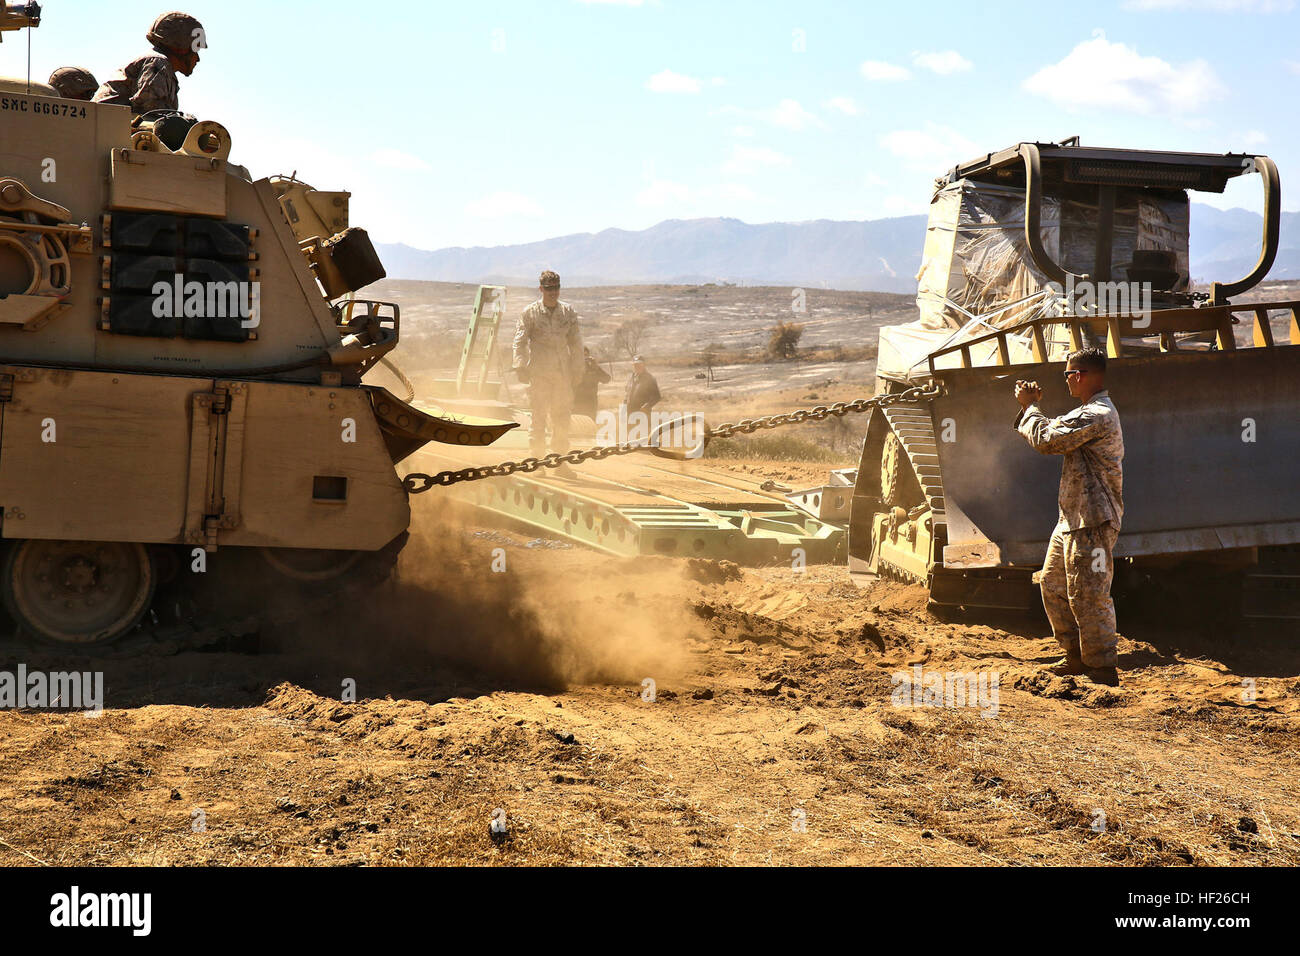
502	205
1105	75
1254	137
396	159
883	72
789	114
1293	66
1219	6
747	159
718	81
743	130
660	192
843	104
871	180
943	62
935	147
666	81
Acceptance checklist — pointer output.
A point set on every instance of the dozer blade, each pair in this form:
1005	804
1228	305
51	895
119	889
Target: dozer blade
407	428
1211	444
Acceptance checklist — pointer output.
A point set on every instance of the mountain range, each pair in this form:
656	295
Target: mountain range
879	255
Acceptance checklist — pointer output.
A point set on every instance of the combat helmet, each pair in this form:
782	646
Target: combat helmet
74	82
177	32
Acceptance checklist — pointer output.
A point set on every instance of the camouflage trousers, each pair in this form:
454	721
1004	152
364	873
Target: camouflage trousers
1075	581
551	401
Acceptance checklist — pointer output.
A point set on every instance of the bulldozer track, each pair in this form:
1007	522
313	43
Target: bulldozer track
915	430
913	427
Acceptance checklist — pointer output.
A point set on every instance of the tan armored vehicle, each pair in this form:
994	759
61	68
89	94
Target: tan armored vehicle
1041	248
184	425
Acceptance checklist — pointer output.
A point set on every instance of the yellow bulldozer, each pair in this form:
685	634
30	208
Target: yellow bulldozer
183	405
1033	251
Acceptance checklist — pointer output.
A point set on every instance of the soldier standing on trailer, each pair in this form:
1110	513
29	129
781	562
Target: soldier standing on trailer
548	356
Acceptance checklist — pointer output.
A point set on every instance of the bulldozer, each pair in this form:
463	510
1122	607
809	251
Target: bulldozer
186	426
1039	249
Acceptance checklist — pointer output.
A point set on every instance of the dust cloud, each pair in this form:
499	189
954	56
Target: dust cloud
546	620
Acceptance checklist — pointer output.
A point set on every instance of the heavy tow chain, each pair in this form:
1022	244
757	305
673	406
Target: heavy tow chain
418	482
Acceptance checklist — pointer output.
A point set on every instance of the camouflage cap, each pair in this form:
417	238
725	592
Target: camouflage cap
74	83
549	280
178	32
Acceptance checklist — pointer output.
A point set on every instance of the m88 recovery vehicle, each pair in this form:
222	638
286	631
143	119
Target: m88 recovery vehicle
1039	249
181	388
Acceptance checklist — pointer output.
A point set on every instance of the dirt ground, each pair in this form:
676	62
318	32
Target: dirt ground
661	711
771	736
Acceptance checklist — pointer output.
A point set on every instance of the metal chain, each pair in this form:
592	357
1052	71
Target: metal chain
419	482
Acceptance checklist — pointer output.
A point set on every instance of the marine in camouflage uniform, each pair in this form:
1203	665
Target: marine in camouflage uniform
548	355
1079	568
149	82
74	83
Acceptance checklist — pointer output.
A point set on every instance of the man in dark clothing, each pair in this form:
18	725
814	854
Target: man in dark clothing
642	390
584	393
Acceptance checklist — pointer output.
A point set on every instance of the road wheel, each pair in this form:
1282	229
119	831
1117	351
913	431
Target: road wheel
311	565
898	485
77	593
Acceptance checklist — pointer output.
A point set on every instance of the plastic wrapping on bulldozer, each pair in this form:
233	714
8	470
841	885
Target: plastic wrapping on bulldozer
977	276
976	262
975	258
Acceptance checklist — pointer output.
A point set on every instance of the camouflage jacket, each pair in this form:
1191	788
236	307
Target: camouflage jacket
146	83
1092	476
548	343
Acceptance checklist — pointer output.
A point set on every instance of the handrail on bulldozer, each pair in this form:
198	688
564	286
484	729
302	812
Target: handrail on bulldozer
1220	292
1165	323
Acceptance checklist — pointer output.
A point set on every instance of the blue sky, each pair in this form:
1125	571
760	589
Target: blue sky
487	123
